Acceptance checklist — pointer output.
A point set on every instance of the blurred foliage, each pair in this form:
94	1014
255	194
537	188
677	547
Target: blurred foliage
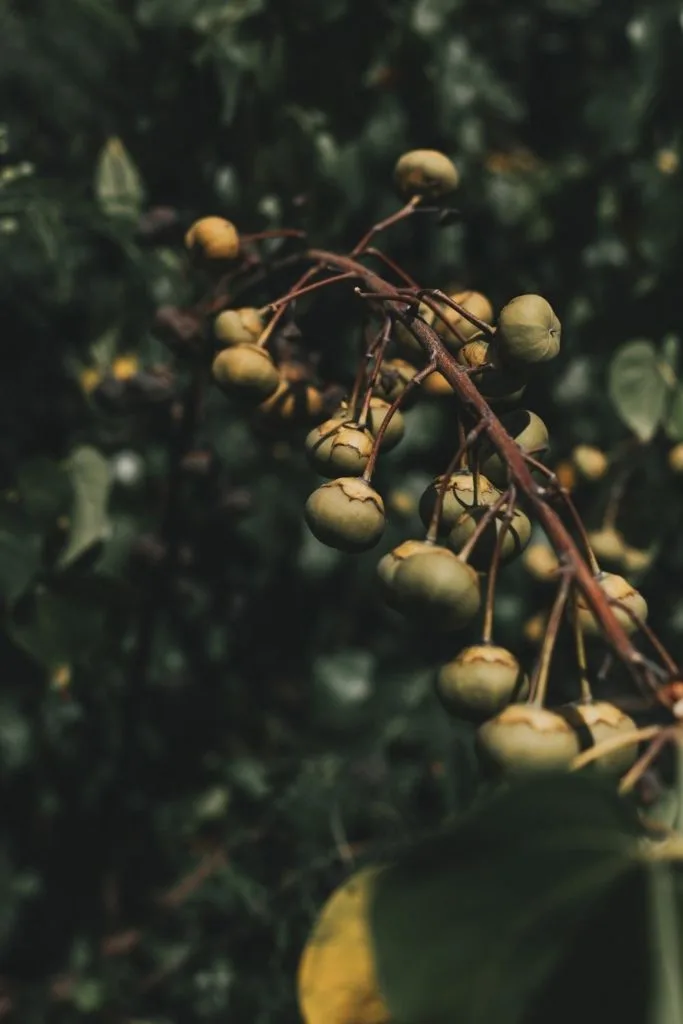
187	766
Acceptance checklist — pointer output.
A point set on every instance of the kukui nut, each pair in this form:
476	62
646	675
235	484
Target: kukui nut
292	402
524	739
590	463
608	544
436	589
675	459
541	562
480	681
247	371
624	599
604	721
376	414
515	540
336	448
213	238
393	378
453	327
346	514
238	326
425	172
462	493
531	434
389	563
528	330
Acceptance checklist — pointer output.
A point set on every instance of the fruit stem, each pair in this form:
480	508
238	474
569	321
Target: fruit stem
612	743
406	211
282	303
660	737
465	313
506	519
379	436
579	640
489	515
539	685
465	442
661	650
260	236
378	349
463	461
296	293
440	315
615	495
392	265
571	507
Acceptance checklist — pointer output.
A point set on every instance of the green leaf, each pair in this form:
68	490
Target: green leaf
673	424
667	945
19	562
55	629
637	388
90	478
471	926
118	185
669	361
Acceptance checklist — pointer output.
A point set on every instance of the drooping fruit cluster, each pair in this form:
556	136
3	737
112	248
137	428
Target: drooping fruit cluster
477	512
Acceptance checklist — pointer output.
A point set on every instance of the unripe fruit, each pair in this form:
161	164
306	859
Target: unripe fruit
635	561
535	627
474	353
541	562
480	682
528	330
214	238
675	459
292	403
617	589
376	414
387	566
425	172
516	537
524	739
591	463
605	721
405	337
238	326
436	385
346	514
607	544
528	430
394	375
437	589
452	327
247	371
459	496
336	448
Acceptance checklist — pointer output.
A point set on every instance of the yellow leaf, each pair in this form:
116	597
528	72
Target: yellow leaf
337	983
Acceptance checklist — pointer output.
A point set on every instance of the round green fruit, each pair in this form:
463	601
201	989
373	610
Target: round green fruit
480	682
238	326
524	739
517	536
436	589
622	595
389	563
245	370
460	496
605	721
531	434
346	514
425	172
528	330
336	448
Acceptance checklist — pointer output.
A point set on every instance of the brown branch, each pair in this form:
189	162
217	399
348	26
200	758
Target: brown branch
472	401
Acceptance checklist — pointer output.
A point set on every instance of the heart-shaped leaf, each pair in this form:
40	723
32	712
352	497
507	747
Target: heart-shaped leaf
90	479
638	388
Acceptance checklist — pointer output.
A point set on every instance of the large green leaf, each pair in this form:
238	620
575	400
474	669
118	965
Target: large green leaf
44	488
90	478
19	562
673	423
56	629
118	185
638	388
471	926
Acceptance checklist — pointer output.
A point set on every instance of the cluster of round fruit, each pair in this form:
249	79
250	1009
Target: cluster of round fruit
472	520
